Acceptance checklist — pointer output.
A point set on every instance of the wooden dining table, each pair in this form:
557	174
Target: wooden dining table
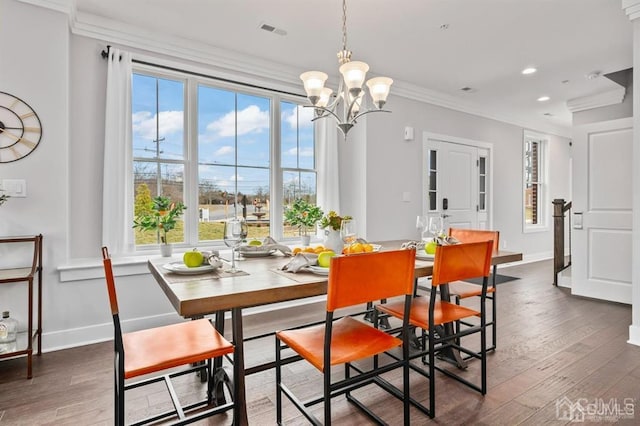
261	282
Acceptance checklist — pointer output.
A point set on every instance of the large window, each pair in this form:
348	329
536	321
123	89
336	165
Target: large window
224	150
535	216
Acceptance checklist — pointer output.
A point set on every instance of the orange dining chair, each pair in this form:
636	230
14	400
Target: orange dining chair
353	280
437	318
464	290
191	344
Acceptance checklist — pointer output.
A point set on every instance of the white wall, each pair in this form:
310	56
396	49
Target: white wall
394	166
63	78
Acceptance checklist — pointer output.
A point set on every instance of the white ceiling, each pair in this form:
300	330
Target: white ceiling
486	45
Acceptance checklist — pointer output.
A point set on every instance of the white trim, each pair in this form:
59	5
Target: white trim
117	33
634	335
544	214
611	97
631	8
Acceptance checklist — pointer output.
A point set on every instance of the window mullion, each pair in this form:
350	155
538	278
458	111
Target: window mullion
276	208
191	181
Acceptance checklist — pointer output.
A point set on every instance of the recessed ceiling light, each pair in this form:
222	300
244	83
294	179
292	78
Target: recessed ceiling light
468	89
528	71
548	114
543	98
593	75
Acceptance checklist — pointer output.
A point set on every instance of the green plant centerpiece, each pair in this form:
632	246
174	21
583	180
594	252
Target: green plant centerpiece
160	216
302	214
332	221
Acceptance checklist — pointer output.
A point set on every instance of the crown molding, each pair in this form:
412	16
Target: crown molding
631	8
65	6
611	97
244	68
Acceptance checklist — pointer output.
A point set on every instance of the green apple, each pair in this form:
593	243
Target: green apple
256	243
193	258
430	247
324	258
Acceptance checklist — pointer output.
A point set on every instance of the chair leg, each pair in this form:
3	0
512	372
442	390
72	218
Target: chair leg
119	392
327	395
432	374
483	360
278	383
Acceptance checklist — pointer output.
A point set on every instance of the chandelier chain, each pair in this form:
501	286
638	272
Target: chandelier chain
344	24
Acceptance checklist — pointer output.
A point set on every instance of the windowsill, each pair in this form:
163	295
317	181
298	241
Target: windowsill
92	268
534	229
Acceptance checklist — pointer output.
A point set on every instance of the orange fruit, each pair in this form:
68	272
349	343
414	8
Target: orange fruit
368	248
356	248
296	250
308	250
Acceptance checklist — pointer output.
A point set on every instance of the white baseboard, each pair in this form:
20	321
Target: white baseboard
65	339
634	335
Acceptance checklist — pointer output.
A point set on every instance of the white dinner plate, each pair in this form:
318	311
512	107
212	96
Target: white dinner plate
181	268
318	270
420	254
256	253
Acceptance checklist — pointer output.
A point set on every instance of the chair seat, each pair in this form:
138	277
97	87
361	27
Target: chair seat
351	340
156	349
444	312
464	290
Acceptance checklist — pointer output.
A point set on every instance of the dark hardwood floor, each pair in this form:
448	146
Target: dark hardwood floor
550	346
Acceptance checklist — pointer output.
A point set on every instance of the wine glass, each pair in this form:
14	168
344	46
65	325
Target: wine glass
348	231
235	230
436	226
421	224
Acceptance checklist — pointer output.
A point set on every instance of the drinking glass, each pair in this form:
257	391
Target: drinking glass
436	226
421	224
235	230
348	231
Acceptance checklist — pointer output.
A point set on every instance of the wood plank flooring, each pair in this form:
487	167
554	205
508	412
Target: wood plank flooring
550	345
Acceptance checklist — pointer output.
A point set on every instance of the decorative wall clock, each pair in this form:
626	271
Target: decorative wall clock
20	128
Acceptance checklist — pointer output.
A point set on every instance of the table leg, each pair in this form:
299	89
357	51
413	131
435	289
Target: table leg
220	378
240	417
448	353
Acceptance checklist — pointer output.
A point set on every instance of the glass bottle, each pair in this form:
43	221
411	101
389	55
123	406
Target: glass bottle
8	328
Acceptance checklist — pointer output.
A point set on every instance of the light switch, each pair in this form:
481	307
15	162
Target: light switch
406	196
408	133
14	187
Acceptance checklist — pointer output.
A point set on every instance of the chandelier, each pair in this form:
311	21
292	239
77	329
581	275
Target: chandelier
347	105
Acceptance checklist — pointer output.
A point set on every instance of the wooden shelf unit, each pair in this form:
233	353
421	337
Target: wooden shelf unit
24	345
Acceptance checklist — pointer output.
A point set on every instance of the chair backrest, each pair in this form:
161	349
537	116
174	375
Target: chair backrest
360	278
476	235
111	285
461	261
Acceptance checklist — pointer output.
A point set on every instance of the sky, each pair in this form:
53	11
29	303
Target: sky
232	127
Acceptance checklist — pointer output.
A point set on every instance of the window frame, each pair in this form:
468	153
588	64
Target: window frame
190	146
543	211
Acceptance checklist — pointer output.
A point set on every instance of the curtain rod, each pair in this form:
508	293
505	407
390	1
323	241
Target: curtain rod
105	55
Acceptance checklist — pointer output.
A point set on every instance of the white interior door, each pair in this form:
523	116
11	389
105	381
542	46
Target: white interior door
602	210
456	182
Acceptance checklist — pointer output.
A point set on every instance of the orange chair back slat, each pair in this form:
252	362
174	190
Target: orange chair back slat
458	262
111	286
353	280
475	236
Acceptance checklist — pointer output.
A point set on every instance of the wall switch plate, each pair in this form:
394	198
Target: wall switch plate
14	187
406	197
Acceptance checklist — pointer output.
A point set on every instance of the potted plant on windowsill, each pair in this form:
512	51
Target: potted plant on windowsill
304	215
161	216
331	224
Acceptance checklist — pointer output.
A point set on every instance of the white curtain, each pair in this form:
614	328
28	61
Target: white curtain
328	170
117	186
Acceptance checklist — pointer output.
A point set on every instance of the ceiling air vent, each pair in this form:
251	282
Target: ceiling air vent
272	29
467	89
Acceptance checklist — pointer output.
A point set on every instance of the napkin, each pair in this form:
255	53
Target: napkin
442	241
267	244
301	260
